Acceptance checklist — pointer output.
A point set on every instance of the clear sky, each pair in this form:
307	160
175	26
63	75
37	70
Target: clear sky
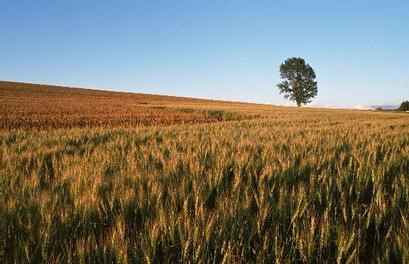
210	49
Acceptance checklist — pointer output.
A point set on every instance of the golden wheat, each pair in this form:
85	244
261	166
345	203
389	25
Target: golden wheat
295	185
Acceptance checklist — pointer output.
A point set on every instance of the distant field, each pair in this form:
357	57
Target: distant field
42	106
90	176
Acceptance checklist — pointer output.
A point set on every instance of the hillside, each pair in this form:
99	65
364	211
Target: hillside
26	105
90	176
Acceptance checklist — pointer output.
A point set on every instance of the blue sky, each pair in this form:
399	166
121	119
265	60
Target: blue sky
210	49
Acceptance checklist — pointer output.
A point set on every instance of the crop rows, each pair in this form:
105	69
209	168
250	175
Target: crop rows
27	106
306	186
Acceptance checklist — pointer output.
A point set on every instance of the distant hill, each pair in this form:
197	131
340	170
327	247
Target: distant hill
385	107
26	105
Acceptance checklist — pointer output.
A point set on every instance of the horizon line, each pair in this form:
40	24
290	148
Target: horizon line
288	104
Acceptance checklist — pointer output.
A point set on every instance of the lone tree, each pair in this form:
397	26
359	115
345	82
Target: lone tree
299	83
404	106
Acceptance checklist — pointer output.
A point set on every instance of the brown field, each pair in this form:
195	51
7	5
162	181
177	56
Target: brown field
90	176
44	106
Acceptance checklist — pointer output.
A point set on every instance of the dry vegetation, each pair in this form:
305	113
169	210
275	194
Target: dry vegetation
295	185
45	107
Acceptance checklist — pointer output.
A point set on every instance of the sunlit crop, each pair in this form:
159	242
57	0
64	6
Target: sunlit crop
269	185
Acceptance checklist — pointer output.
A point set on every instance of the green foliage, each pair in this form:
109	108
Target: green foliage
219	115
404	106
299	83
224	115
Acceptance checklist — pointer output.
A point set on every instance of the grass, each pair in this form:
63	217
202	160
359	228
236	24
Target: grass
285	186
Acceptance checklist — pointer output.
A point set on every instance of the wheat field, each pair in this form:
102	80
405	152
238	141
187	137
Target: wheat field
97	181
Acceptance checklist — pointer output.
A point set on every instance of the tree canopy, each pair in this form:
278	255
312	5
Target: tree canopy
299	83
404	106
